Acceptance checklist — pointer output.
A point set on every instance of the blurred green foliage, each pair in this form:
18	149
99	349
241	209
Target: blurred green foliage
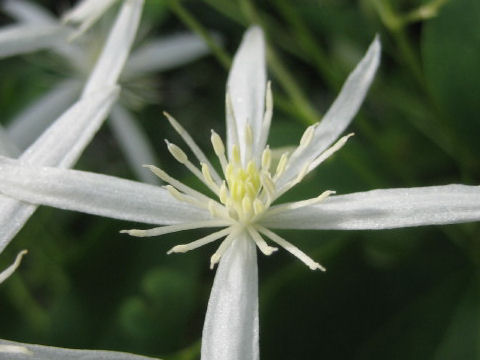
399	294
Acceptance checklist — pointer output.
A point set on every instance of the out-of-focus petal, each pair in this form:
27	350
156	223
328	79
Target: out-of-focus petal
134	143
27	12
20	351
21	39
246	86
86	13
230	331
60	145
164	54
386	209
115	52
340	113
94	194
32	121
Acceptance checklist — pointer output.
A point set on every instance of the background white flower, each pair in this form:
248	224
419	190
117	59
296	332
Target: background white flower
151	56
231	325
64	141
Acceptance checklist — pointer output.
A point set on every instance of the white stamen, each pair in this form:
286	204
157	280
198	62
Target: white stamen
261	243
208	178
248	141
161	230
231	122
267	116
307	137
177	153
299	204
223	247
183	248
291	249
219	149
5	274
182	158
266	159
281	166
329	152
199	154
185	198
175	183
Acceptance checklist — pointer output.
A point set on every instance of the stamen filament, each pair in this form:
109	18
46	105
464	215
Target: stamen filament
299	204
291	249
183	248
199	154
223	247
5	274
162	230
182	158
175	183
267	116
261	243
329	152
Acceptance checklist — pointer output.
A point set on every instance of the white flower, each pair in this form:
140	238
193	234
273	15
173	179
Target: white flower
243	203
151	56
20	351
86	13
64	141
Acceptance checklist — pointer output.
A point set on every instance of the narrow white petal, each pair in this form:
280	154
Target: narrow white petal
21	39
341	112
134	143
39	352
164	54
5	274
230	330
386	209
246	86
86	13
118	45
63	142
60	145
31	122
94	194
28	12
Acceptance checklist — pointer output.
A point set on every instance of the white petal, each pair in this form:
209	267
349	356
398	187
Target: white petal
60	145
386	209
20	39
39	352
230	331
134	143
63	142
5	274
116	50
164	54
341	112
32	121
94	194
28	12
246	86
87	12
13	215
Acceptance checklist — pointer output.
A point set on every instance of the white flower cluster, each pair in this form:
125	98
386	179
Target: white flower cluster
245	191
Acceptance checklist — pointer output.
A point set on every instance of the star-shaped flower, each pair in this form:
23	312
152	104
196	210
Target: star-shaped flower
80	56
244	194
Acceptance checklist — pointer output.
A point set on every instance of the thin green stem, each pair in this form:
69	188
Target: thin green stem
189	20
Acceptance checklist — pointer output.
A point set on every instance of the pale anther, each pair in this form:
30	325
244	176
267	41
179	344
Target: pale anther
307	136
266	159
177	153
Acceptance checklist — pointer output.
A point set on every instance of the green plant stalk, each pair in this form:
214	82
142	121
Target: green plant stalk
189	20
